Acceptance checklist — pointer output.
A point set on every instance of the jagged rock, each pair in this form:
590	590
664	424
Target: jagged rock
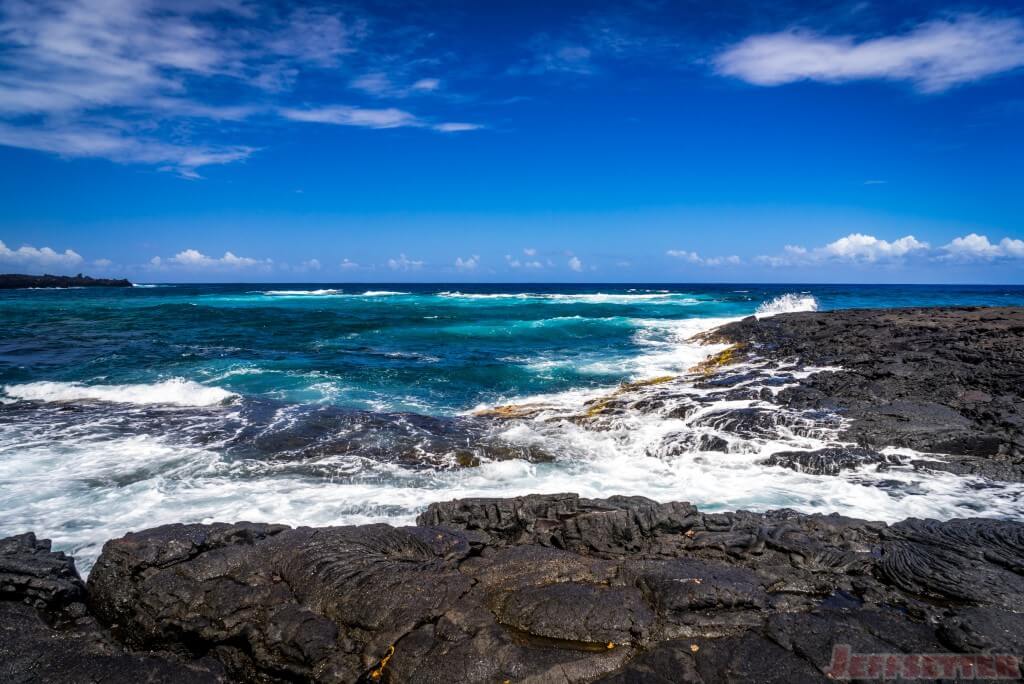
542	588
830	461
941	380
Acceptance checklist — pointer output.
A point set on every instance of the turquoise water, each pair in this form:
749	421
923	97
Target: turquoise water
125	408
428	349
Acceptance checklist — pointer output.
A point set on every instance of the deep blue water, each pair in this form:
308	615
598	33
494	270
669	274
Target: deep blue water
334	404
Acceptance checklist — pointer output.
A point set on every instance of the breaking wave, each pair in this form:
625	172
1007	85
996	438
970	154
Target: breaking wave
173	392
787	303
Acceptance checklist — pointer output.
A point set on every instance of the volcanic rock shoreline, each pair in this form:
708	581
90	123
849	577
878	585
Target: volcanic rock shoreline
556	588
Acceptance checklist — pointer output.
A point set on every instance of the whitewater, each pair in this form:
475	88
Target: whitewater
337	404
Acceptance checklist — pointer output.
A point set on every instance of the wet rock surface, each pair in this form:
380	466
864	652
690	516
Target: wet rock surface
941	380
544	588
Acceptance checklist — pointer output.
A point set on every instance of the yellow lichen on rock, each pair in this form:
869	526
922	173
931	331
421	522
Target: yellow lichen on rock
510	411
709	365
378	672
637	384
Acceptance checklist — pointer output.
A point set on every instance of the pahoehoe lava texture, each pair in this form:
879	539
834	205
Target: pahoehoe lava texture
543	588
942	380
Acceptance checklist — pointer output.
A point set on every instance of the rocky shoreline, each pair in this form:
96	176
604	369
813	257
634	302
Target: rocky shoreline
556	588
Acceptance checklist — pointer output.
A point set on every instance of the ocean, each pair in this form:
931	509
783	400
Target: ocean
122	409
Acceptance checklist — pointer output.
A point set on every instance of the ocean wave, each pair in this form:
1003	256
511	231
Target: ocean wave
301	293
330	293
174	392
787	303
589	298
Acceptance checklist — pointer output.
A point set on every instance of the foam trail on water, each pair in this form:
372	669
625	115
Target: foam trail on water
174	392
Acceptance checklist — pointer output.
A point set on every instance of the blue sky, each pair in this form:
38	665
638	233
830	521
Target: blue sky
231	140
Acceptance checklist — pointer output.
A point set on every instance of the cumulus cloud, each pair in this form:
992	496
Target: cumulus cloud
310	265
194	259
934	56
695	258
974	247
38	257
102	263
860	247
348	265
404	263
575	264
855	247
468	264
529	251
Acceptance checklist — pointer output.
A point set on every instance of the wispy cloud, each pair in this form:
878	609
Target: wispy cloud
575	264
467	264
347	265
934	56
39	257
342	115
381	84
149	81
695	258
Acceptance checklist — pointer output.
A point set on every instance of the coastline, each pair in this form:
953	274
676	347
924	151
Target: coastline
19	281
559	588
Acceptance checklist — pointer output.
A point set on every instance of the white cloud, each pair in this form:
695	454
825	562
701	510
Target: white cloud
575	264
695	258
934	56
100	142
529	251
855	247
348	265
380	84
427	84
860	247
39	257
515	262
404	263
974	247
130	81
468	264
456	127
310	265
102	263
343	115
193	258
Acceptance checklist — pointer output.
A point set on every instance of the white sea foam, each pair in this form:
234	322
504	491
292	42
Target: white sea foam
787	303
590	298
301	293
175	392
330	293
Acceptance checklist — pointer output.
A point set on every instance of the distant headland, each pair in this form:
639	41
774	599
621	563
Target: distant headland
15	281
